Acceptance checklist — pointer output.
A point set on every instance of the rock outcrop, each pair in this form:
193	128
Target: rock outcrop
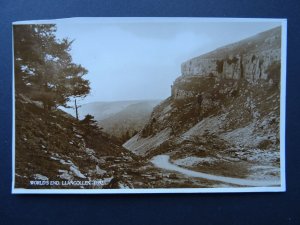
248	59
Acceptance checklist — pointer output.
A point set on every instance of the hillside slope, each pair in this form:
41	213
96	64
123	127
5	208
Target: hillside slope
54	146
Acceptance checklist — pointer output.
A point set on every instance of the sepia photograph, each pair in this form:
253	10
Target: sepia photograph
149	105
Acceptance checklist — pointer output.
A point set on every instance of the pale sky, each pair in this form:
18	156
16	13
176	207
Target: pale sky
135	61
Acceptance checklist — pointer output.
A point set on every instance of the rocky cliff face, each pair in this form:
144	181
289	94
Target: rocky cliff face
223	112
248	59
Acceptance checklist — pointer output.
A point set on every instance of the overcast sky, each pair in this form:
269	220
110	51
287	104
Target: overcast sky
130	61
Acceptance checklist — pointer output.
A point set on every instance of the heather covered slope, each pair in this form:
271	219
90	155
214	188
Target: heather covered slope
55	146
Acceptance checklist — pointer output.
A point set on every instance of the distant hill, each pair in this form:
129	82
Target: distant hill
100	110
121	119
129	120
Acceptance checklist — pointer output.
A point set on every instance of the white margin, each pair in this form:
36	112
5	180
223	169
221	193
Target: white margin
147	19
13	114
147	191
283	103
282	187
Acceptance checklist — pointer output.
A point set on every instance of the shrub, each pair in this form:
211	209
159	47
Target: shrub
273	72
220	64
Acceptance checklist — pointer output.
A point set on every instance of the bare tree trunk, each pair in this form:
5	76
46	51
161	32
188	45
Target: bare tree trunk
76	109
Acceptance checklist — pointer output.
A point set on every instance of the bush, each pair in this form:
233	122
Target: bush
273	72
265	144
234	60
220	66
90	125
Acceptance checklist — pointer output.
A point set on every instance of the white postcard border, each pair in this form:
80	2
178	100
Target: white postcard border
282	187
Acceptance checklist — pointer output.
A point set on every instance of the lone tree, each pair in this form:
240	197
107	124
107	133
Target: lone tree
43	66
90	125
78	87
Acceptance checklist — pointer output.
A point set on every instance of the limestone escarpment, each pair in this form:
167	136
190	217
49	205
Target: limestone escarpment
248	59
224	111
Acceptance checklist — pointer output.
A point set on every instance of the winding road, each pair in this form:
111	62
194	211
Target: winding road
163	162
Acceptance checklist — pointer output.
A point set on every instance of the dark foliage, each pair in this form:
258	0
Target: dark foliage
90	125
43	66
220	64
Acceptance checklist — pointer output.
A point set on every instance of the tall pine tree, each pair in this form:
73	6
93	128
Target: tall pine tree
43	66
